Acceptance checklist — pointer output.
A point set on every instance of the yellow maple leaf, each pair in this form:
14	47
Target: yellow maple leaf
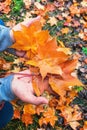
39	6
65	30
27	3
52	21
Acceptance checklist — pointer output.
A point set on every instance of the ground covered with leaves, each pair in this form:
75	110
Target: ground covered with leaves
63	29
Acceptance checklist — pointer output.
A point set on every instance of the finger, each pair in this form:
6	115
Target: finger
27	23
20	53
27	71
37	100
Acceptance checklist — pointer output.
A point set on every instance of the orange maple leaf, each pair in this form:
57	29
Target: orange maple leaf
39	109
61	86
49	58
27	119
48	117
35	86
16	114
51	50
30	38
74	10
40	85
72	116
47	67
29	109
69	65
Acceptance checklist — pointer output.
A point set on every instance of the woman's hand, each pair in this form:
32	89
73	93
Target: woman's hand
23	89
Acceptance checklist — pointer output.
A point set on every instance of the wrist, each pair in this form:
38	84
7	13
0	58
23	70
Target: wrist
12	36
6	93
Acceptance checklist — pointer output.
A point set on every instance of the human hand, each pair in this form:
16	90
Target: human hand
23	89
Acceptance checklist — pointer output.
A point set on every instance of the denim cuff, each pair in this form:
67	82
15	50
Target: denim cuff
6	93
5	39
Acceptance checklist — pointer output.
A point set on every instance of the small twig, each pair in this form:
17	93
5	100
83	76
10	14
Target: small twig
22	74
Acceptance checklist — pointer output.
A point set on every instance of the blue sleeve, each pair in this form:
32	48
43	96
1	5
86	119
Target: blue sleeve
6	93
5	39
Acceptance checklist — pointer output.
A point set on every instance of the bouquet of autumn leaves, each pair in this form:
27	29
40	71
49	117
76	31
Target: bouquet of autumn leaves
50	61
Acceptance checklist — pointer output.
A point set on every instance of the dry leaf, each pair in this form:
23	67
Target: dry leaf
39	6
35	87
27	3
16	114
72	116
46	67
85	125
39	109
29	109
27	119
52	21
48	117
65	30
